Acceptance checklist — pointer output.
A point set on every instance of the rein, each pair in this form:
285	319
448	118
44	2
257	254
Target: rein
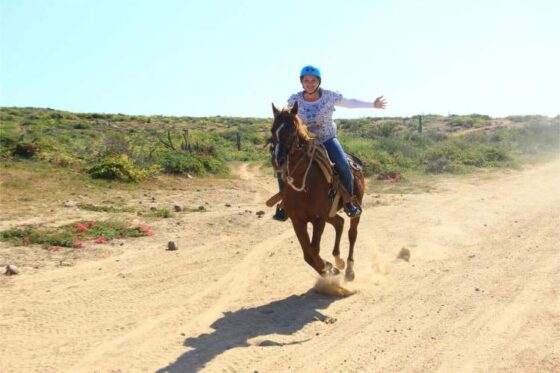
290	179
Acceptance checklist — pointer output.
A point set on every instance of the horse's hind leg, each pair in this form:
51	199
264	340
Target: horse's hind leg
352	235
338	223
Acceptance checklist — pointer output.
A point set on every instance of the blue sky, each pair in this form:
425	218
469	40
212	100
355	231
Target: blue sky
233	58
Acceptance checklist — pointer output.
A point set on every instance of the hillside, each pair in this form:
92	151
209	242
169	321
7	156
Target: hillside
132	148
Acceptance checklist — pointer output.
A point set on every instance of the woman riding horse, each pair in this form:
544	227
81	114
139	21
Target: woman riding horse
316	108
306	197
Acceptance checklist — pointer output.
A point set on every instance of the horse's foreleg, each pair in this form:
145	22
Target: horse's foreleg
323	267
311	248
338	223
310	255
352	235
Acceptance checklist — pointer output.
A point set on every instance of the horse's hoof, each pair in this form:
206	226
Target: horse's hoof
349	275
339	263
330	270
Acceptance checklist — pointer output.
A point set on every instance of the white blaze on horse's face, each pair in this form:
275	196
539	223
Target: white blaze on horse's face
277	147
278	131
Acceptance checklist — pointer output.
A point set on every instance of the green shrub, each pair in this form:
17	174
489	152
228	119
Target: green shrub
179	163
159	213
457	155
81	126
190	163
31	235
121	168
26	149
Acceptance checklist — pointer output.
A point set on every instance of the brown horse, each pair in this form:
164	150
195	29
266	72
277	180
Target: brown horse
306	195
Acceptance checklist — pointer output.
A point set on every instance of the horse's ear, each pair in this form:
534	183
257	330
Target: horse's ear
275	111
294	109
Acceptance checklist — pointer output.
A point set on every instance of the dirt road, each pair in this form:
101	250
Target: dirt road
479	294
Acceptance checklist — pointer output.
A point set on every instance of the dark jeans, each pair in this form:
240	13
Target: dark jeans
336	154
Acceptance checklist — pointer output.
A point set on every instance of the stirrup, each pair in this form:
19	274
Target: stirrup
352	210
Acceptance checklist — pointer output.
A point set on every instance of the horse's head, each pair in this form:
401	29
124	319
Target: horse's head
286	129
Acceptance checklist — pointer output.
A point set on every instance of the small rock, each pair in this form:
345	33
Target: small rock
178	208
404	254
228	205
260	213
201	208
171	246
70	203
189	176
11	270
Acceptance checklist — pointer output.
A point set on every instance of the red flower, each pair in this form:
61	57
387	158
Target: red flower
80	227
26	240
101	240
90	223
147	230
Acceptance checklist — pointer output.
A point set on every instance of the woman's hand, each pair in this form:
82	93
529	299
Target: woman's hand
380	103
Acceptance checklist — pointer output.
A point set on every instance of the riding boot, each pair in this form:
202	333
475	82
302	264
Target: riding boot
280	214
352	210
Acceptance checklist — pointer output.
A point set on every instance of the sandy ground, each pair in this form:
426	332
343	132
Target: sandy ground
479	294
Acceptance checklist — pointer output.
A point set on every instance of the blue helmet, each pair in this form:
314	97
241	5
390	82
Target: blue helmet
310	70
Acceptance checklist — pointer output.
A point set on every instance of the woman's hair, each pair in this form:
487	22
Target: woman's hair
302	129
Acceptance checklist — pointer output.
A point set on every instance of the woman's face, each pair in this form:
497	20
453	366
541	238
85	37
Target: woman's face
310	83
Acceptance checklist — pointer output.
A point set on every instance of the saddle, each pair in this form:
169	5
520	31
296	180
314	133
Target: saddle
337	190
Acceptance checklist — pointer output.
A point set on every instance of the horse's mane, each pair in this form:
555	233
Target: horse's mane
302	130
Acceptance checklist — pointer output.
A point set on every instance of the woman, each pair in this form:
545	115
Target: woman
316	108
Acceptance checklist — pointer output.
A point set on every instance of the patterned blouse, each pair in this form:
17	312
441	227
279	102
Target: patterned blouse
318	115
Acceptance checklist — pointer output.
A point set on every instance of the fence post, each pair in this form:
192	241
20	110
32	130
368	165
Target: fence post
186	144
420	123
238	141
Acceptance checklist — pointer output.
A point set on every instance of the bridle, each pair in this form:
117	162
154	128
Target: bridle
291	147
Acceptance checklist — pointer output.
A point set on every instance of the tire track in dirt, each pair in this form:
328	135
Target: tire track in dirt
236	295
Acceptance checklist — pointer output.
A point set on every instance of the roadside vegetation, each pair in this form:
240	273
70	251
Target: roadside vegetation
134	148
74	235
